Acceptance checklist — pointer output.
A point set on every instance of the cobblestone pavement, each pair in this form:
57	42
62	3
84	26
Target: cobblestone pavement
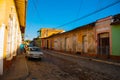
60	67
46	70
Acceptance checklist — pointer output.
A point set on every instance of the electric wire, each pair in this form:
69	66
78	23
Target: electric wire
32	17
89	14
79	9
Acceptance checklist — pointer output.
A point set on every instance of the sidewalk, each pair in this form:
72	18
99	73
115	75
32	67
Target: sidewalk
107	61
18	70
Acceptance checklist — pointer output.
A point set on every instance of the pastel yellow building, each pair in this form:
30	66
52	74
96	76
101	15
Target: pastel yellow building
46	32
12	26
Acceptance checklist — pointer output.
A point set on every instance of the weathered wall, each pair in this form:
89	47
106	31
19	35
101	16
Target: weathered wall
103	26
89	38
45	32
13	28
11	32
90	41
73	41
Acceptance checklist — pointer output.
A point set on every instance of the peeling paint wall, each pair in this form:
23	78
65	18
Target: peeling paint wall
90	41
73	41
45	32
102	27
87	39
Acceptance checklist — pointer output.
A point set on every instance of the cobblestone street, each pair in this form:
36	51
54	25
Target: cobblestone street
59	40
58	67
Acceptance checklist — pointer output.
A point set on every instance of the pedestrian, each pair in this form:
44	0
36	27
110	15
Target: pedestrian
26	48
22	49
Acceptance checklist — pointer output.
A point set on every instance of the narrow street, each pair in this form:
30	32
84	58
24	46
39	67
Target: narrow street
59	40
60	67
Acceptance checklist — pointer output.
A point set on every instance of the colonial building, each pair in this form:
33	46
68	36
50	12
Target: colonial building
107	32
98	39
46	32
103	36
12	26
79	40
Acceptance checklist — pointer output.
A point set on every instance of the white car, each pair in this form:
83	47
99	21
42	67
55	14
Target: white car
34	52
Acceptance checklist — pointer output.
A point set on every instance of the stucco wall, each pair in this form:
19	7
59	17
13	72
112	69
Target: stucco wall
12	33
90	35
116	40
103	26
45	32
73	41
2	11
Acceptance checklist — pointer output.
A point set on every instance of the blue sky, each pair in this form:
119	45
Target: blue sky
54	13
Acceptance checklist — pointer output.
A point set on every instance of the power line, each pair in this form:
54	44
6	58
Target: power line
79	9
33	16
89	14
36	8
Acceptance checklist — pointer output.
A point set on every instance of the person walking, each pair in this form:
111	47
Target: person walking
22	48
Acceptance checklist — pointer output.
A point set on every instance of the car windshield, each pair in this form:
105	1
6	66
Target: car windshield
34	49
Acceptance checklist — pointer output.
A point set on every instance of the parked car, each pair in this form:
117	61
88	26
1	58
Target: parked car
34	52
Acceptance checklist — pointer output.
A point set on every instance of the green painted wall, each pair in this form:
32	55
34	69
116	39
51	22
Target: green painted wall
116	40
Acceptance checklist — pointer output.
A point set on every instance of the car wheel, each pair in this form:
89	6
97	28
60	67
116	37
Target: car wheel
28	58
40	59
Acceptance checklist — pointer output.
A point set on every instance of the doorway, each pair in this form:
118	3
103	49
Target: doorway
103	44
47	44
84	44
74	43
